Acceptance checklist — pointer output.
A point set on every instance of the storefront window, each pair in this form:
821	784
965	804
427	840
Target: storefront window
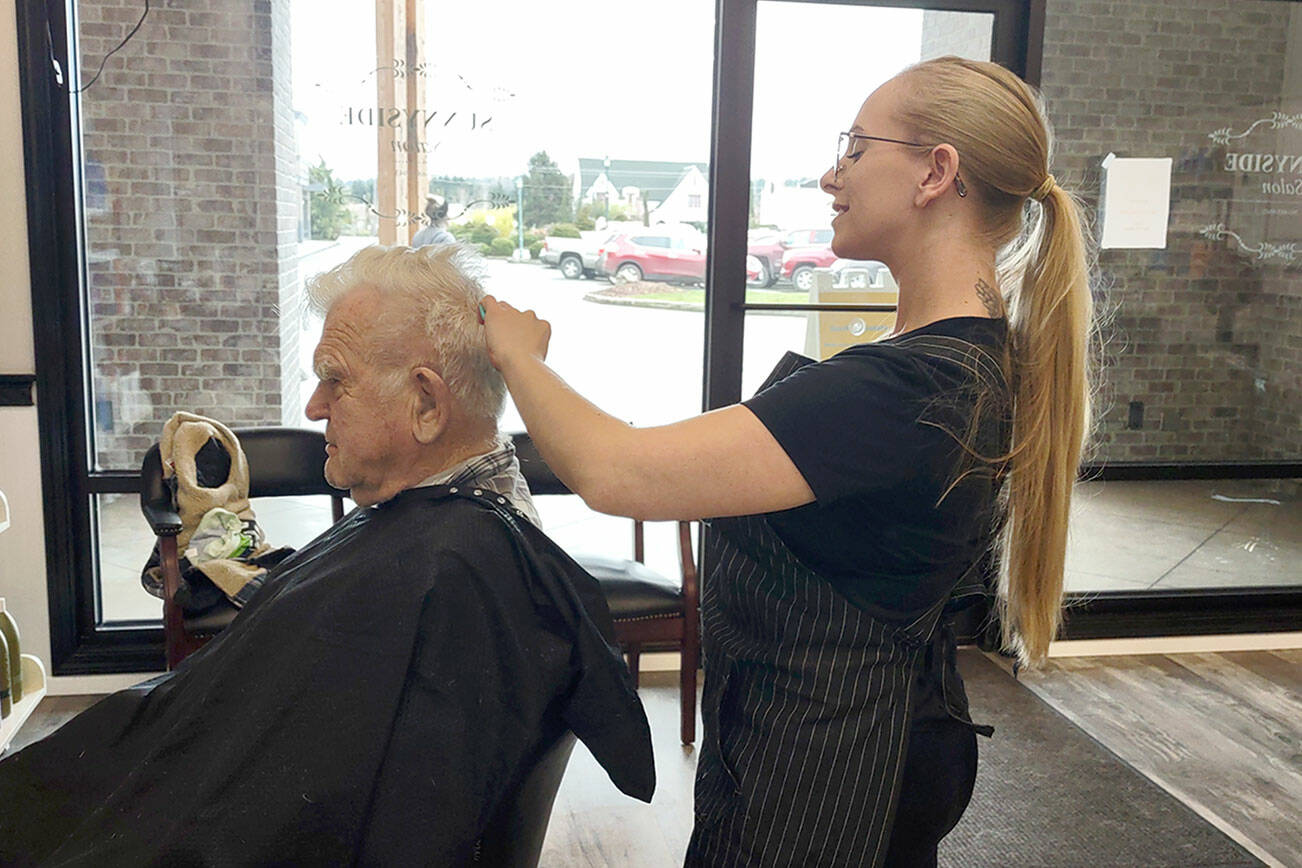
233	153
225	155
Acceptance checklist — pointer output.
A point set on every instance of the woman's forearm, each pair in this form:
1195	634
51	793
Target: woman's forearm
724	462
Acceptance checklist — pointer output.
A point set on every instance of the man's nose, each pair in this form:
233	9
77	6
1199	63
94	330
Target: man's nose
316	405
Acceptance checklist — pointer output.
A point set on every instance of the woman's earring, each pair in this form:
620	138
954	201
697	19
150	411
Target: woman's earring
960	187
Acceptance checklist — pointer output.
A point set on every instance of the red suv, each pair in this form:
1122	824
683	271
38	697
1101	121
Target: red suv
807	249
661	253
653	255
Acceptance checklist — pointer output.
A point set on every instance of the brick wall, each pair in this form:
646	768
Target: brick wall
191	201
965	34
1206	335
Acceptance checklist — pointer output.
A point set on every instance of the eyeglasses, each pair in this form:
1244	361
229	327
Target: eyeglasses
843	147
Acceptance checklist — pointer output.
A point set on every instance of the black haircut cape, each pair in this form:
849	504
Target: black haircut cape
376	701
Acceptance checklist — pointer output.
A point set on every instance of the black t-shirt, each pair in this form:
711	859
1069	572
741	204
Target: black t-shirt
901	510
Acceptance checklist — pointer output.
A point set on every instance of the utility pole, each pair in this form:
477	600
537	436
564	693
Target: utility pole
609	186
519	217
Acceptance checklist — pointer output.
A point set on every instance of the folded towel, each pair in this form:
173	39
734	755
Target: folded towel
205	466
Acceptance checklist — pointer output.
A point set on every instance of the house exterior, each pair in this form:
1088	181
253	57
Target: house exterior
663	191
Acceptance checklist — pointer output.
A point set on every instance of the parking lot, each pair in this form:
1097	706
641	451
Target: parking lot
639	363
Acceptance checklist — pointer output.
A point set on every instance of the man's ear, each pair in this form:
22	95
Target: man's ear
942	168
433	411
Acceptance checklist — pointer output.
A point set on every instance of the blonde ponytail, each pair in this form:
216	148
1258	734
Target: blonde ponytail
1050	316
996	123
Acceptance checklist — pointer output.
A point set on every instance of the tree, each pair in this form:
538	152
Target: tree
362	190
327	214
547	194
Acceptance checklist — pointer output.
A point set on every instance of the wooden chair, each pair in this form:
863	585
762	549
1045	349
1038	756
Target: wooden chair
649	610
282	462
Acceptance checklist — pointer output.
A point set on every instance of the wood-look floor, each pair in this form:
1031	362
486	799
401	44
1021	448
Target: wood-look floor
1221	732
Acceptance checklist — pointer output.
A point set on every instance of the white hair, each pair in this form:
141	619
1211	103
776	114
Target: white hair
433	291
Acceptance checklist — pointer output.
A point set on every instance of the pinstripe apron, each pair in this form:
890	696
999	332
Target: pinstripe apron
806	708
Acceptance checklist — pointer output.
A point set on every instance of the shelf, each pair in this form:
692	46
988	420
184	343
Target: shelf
33	693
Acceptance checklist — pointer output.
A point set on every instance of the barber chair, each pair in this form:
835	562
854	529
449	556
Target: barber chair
650	612
282	462
514	837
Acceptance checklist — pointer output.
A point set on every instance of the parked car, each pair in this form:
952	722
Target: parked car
765	245
807	238
659	253
677	254
861	274
798	263
575	257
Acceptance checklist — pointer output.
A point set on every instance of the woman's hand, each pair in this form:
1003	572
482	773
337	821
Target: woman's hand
513	334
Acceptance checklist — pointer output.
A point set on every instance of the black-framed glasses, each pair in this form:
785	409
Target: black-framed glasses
843	147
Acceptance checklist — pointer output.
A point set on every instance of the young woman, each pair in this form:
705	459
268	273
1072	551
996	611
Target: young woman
860	501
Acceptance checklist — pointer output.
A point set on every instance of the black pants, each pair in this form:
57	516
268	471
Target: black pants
939	773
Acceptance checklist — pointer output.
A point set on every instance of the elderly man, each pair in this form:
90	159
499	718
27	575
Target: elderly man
386	689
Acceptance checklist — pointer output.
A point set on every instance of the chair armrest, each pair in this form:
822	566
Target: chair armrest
163	520
156	497
691	585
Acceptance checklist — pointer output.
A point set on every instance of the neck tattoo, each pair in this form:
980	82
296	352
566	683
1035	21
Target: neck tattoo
990	297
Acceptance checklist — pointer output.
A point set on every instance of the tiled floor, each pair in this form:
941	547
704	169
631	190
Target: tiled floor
1186	534
1217	731
1220	732
1124	536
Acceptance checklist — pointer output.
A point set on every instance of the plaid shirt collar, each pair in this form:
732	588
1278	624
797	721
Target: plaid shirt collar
497	470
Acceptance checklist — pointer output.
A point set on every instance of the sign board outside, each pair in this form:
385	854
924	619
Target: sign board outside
829	332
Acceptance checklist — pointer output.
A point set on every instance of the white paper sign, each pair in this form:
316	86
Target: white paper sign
1136	201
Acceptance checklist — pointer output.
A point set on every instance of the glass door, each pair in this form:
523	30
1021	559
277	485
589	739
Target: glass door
814	66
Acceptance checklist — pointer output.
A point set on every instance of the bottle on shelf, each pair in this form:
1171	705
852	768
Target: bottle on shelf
6	701
9	628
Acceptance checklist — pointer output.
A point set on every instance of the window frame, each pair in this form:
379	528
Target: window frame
56	244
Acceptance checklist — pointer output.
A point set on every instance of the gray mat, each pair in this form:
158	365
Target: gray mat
1048	794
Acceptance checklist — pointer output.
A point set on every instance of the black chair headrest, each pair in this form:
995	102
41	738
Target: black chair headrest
536	472
285	461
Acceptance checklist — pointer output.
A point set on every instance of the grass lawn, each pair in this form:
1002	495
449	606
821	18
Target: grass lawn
695	295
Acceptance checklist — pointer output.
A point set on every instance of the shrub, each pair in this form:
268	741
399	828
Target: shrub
565	230
503	221
485	250
475	231
501	247
534	249
482	233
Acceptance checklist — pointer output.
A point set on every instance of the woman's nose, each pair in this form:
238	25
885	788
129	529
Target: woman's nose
829	182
